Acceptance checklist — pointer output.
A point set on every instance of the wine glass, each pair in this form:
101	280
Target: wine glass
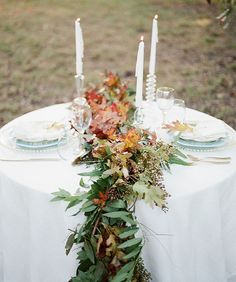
165	100
82	116
70	145
139	117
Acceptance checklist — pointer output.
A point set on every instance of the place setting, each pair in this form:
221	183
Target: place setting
207	135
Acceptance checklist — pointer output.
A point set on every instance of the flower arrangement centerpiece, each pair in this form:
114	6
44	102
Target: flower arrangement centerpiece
127	165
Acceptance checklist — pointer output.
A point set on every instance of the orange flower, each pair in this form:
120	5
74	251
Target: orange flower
111	80
93	96
131	139
102	199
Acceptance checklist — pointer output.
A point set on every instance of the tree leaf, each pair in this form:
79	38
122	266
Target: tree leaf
133	253
70	242
73	203
82	255
89	251
128	232
60	195
91	173
118	204
126	268
116	214
178	161
128	220
89	208
130	243
140	187
100	269
82	184
119	278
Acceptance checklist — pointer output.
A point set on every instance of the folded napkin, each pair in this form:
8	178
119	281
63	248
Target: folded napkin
38	131
206	131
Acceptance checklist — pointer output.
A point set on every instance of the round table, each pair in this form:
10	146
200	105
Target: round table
194	241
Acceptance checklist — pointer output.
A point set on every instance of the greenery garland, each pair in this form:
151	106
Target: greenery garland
127	166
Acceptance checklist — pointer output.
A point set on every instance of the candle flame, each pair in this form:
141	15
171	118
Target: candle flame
141	38
156	17
78	20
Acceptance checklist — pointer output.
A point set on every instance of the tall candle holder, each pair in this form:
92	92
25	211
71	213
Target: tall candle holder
150	87
79	82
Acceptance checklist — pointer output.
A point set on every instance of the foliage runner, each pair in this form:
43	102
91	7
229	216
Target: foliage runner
127	166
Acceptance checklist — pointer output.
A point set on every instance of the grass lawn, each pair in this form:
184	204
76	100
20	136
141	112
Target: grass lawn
37	56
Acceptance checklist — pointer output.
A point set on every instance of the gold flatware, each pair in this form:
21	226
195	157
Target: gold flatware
210	159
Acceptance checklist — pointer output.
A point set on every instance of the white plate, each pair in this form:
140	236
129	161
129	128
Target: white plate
9	141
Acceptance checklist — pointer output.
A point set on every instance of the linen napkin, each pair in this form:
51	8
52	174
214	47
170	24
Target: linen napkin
206	131
37	131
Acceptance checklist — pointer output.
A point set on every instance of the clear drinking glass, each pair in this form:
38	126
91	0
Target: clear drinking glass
81	119
165	100
82	116
139	117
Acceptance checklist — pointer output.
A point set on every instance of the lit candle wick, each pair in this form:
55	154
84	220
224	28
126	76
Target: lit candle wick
141	38
156	17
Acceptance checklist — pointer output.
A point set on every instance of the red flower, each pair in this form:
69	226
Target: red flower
102	199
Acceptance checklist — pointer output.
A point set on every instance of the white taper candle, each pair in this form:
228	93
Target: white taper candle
139	74
152	62
79	47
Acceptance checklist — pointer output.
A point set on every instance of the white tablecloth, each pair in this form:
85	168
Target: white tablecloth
193	242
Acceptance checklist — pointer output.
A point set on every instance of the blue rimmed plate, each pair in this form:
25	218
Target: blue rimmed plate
202	146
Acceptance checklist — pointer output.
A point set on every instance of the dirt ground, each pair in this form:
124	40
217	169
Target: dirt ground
37	55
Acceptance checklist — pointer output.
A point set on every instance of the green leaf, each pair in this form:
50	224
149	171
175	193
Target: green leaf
89	209
133	253
82	184
75	279
178	161
82	255
180	154
116	214
91	173
89	251
128	232
130	243
118	204
57	198
126	268
73	203
119	278
87	204
60	195
155	195
69	243
140	187
100	269
108	150
128	220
